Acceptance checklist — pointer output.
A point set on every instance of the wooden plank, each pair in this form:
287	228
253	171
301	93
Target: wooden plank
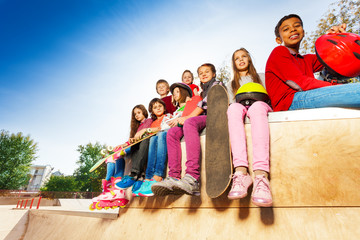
313	163
205	223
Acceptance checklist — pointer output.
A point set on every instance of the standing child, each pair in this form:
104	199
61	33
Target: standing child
245	72
156	164
188	78
193	124
139	152
162	88
290	80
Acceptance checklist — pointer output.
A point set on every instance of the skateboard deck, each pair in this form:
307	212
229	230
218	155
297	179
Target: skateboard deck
218	162
116	154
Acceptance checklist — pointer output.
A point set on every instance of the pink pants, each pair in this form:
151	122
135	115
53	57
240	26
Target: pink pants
257	114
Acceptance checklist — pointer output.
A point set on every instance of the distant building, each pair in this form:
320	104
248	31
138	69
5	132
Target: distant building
39	175
57	174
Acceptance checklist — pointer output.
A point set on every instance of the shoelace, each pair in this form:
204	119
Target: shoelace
262	185
189	181
237	180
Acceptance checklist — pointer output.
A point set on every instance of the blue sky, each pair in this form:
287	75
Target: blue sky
71	71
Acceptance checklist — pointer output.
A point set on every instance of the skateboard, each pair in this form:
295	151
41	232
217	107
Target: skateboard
218	162
116	154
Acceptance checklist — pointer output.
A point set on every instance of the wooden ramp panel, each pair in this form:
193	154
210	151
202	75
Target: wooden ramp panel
313	163
314	178
202	223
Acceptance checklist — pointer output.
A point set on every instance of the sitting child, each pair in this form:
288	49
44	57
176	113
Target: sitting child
139	152
156	163
192	124
162	88
188	78
290	81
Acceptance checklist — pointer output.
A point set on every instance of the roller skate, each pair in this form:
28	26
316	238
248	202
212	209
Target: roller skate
113	198
106	185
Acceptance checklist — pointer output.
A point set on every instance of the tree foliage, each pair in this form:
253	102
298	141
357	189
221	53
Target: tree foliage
343	11
223	74
89	155
61	184
16	154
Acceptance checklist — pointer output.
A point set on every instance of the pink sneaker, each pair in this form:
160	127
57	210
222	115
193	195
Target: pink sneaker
261	195
241	183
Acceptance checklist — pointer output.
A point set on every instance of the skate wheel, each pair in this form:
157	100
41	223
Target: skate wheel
106	208
91	207
113	207
97	206
122	206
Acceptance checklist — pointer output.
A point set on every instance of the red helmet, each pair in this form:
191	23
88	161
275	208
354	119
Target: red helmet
339	53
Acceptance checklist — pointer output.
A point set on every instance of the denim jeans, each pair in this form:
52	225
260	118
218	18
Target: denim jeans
345	95
157	156
115	169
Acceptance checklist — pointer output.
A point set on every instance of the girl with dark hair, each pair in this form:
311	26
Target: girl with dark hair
139	152
115	167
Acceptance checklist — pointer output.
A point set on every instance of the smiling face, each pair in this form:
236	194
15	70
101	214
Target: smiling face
162	89
158	109
187	78
241	61
291	33
205	74
138	114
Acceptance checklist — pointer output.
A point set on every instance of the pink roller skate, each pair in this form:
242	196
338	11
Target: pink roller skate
113	198
106	185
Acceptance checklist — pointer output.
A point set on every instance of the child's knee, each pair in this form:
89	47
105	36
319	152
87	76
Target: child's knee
236	109
258	108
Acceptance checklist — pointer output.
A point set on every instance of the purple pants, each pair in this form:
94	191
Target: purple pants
191	132
258	115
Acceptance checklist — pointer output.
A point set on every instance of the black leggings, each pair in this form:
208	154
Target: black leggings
139	156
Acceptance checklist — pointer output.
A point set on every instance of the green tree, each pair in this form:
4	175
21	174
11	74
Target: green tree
89	155
16	154
61	184
343	11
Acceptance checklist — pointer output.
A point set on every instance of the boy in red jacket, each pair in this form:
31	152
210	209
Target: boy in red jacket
289	76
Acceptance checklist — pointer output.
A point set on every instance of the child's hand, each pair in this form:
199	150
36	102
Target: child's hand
337	29
131	140
139	134
181	120
173	122
196	92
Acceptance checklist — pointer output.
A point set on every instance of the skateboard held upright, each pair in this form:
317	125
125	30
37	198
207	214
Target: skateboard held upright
218	163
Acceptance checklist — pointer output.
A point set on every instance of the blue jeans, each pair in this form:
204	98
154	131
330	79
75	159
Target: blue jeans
345	95
157	156
115	169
